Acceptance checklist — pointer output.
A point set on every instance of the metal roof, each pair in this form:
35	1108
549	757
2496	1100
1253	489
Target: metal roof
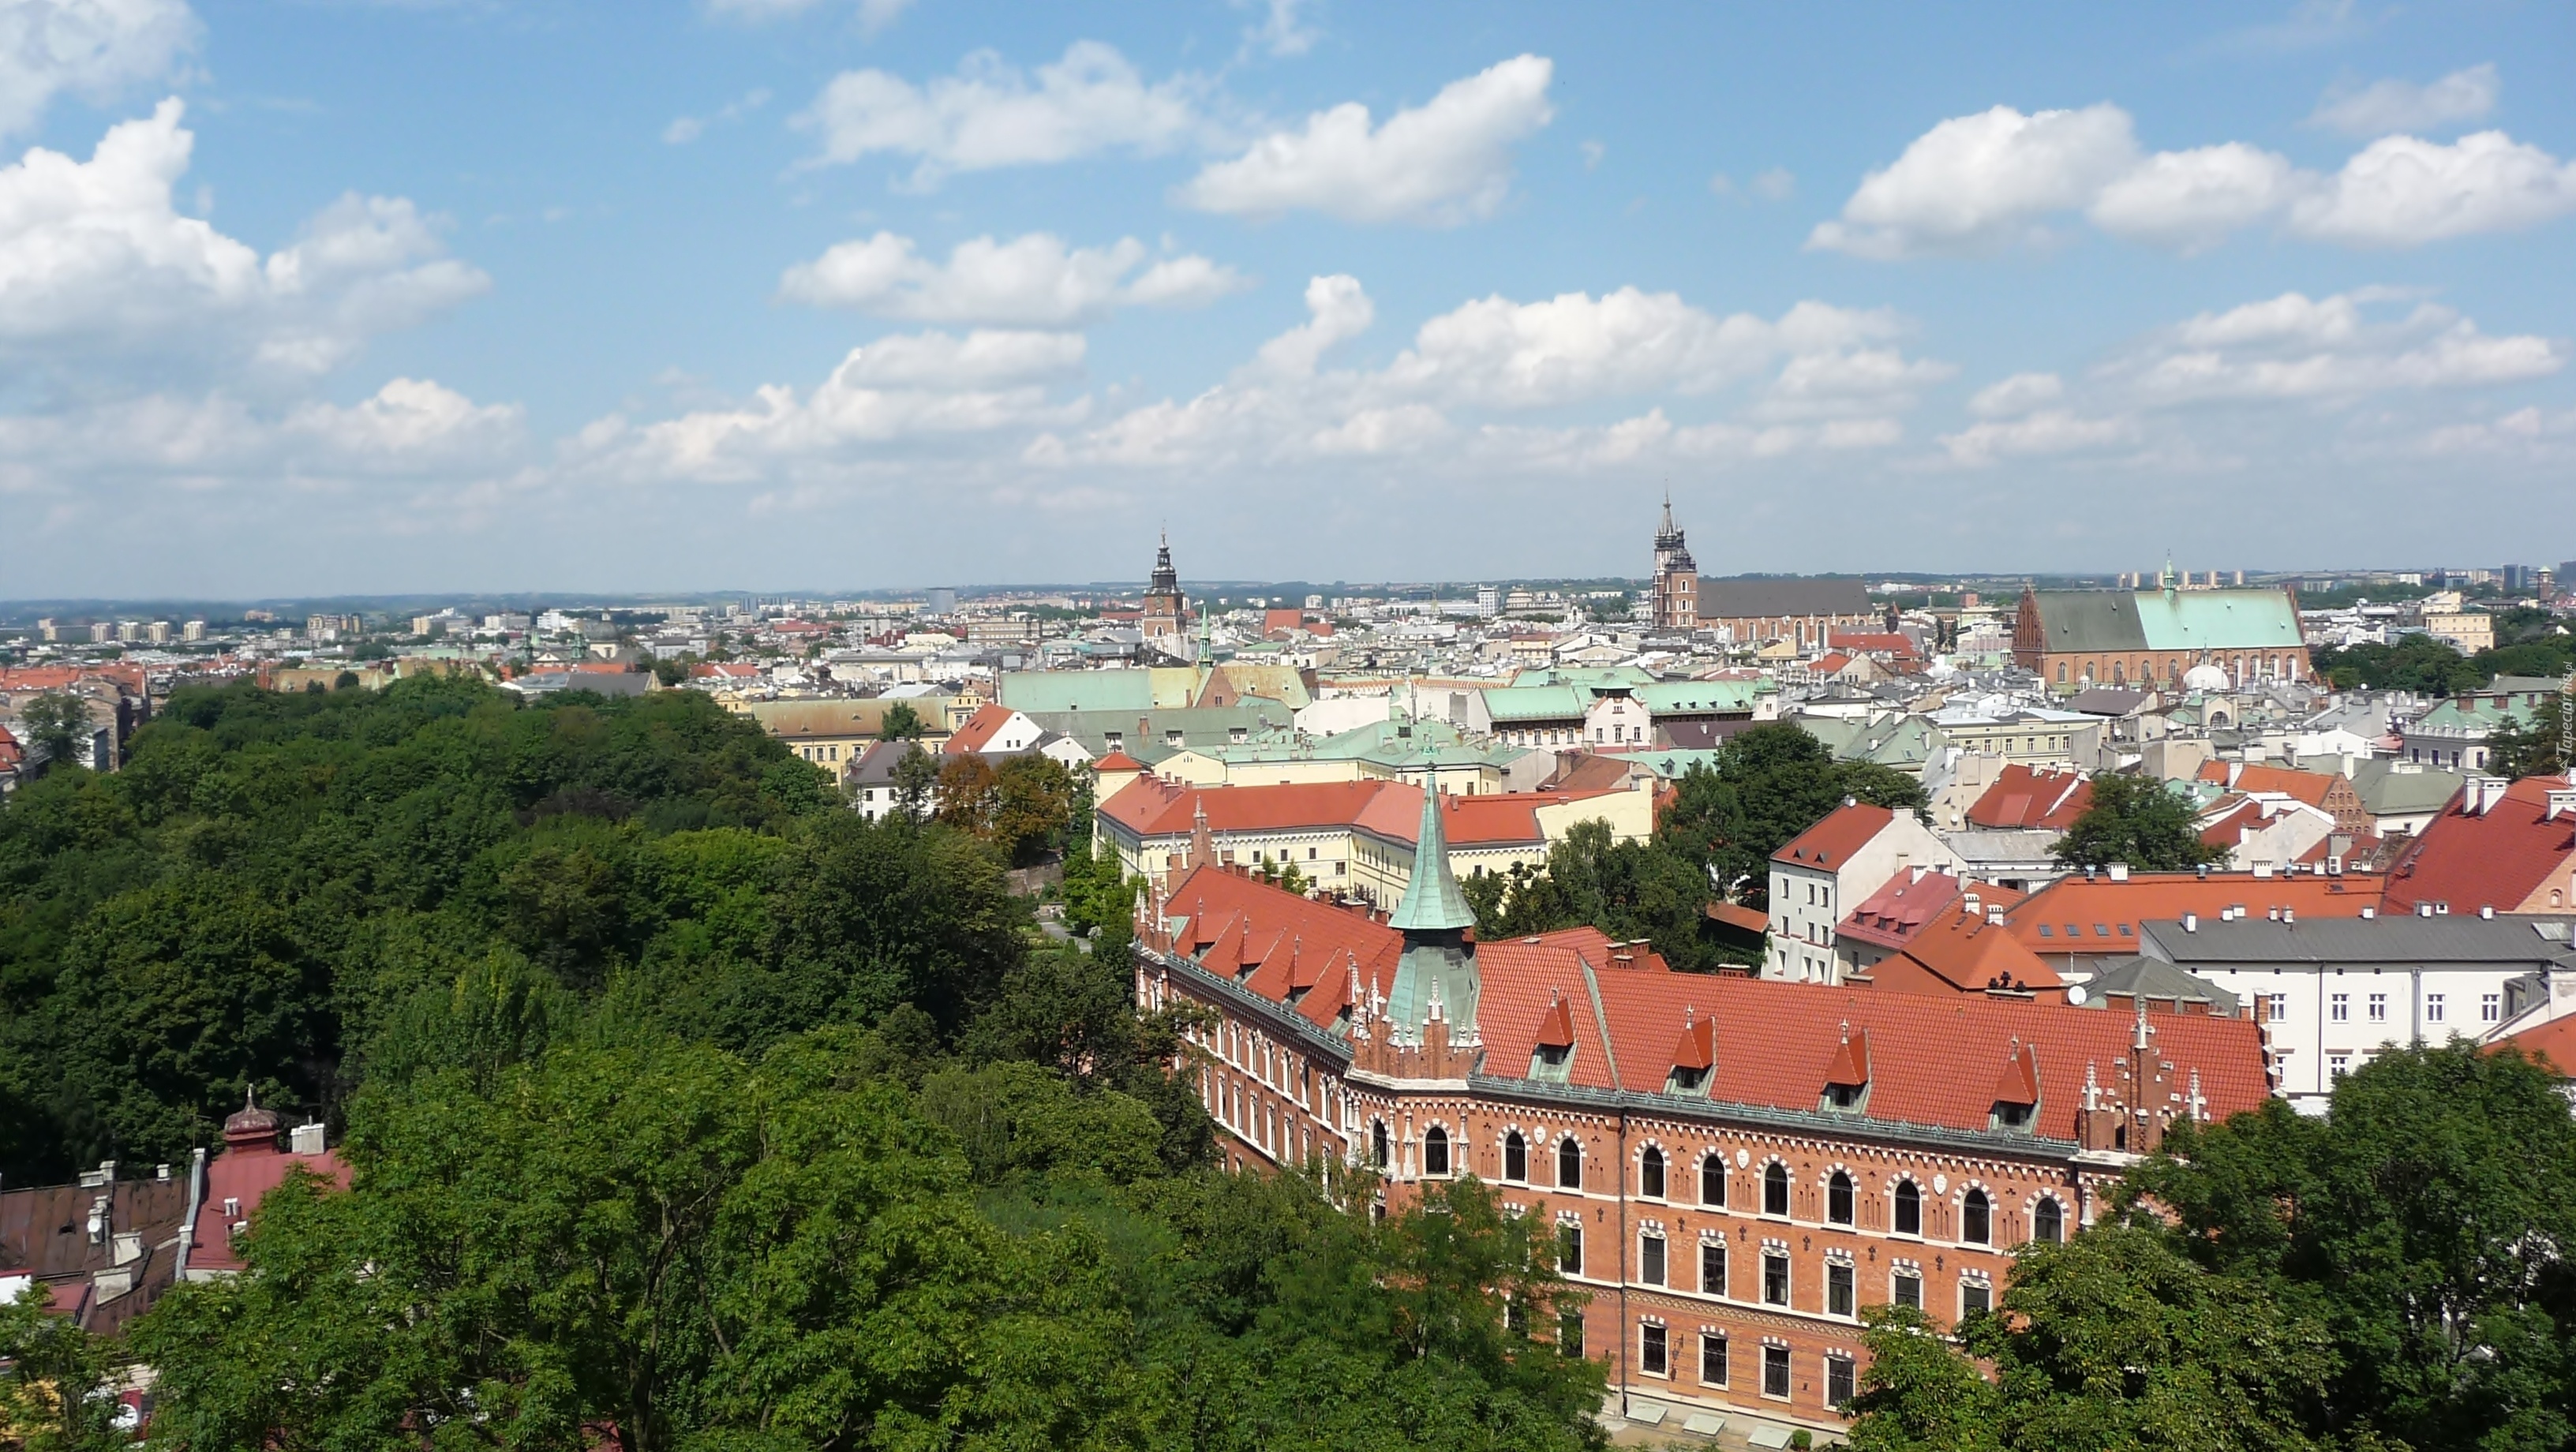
2394	939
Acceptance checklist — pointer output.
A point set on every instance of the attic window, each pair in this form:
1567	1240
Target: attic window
2010	1116
1551	1062
1686	1081
2044	932
1845	1097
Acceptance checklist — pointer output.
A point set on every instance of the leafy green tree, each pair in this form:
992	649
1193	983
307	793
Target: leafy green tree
2137	820
58	724
1033	806
916	783
56	1389
2530	743
900	723
1769	784
2111	1340
2420	1225
2422	663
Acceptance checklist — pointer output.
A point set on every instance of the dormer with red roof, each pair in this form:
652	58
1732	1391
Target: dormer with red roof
2506	845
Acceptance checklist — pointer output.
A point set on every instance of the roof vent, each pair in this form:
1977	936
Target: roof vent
2119	872
2191	922
2368	913
2486	912
2423	909
2289	917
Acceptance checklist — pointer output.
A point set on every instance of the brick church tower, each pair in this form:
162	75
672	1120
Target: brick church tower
1676	578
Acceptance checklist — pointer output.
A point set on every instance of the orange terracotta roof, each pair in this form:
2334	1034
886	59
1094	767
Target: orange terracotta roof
2024	797
1117	760
2499	859
2099	916
1969	953
1900	908
1928	1060
979	729
1152	807
1831	842
2553	1042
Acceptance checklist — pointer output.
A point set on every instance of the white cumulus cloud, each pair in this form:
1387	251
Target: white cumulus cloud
2049	431
2392	105
992	114
2402	192
91	48
1979	183
96	260
1441	163
1030	280
1975	182
2019	394
2329	348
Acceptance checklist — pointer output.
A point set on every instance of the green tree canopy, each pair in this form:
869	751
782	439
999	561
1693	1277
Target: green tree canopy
900	723
2137	820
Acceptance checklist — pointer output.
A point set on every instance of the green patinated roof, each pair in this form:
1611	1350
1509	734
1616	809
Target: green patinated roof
1673	698
1536	703
1432	902
1588	678
1036	691
2118	620
1672	765
2388	791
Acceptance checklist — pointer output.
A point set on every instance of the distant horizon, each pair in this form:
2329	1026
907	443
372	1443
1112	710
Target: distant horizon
623	599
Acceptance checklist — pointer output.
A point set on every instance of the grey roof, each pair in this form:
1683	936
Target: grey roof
2002	844
2105	701
2395	788
2090	620
2505	940
1764	599
2143	977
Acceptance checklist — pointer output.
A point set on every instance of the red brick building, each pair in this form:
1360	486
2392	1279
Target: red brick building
1735	1166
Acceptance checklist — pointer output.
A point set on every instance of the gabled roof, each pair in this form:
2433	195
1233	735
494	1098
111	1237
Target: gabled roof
2498	858
1966	953
2023	796
1899	909
1830	843
979	729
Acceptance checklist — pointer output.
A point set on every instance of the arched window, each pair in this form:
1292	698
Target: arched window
1909	1208
2061	673
1515	1157
1650	1173
1976	1218
1435	1151
2048	1220
1712	1180
1569	1164
1377	1144
1838	1199
1775	1189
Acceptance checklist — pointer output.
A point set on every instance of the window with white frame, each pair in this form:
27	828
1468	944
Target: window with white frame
1650	1259
2339	1008
2432	1008
1775	1372
2337	1065
2379	1008
2490	1007
1712	1358
1974	1296
1842	1297
1775	1277
1712	1267
1838	1380
1569	1247
1652	1351
1905	1287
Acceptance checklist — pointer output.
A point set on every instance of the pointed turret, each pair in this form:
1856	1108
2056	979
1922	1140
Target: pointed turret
1436	976
1432	901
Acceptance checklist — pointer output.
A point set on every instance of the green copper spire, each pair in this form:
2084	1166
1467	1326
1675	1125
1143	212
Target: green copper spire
1432	902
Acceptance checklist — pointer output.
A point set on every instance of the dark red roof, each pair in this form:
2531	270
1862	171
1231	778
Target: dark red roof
1830	843
238	1179
1898	910
2500	858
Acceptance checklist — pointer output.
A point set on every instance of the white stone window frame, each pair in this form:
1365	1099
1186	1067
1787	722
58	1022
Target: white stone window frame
1959	1212
1637	1165
1825	1194
1762	1187
1424	1139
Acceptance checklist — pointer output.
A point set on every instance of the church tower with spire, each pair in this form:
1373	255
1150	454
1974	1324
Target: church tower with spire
1426	1029
1167	610
1676	581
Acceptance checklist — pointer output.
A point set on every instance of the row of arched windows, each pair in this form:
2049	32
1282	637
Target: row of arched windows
1842	1194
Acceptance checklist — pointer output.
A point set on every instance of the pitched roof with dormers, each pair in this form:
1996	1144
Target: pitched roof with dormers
1629	1019
2098	916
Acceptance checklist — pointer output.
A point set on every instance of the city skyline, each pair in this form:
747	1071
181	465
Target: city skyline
378	299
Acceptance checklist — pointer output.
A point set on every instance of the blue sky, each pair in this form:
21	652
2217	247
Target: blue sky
810	294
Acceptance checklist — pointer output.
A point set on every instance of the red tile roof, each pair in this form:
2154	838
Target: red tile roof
1966	952
2074	915
1117	760
1831	842
1935	1061
978	729
2499	859
2553	1042
1898	910
1152	807
2024	797
1870	641
244	1174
